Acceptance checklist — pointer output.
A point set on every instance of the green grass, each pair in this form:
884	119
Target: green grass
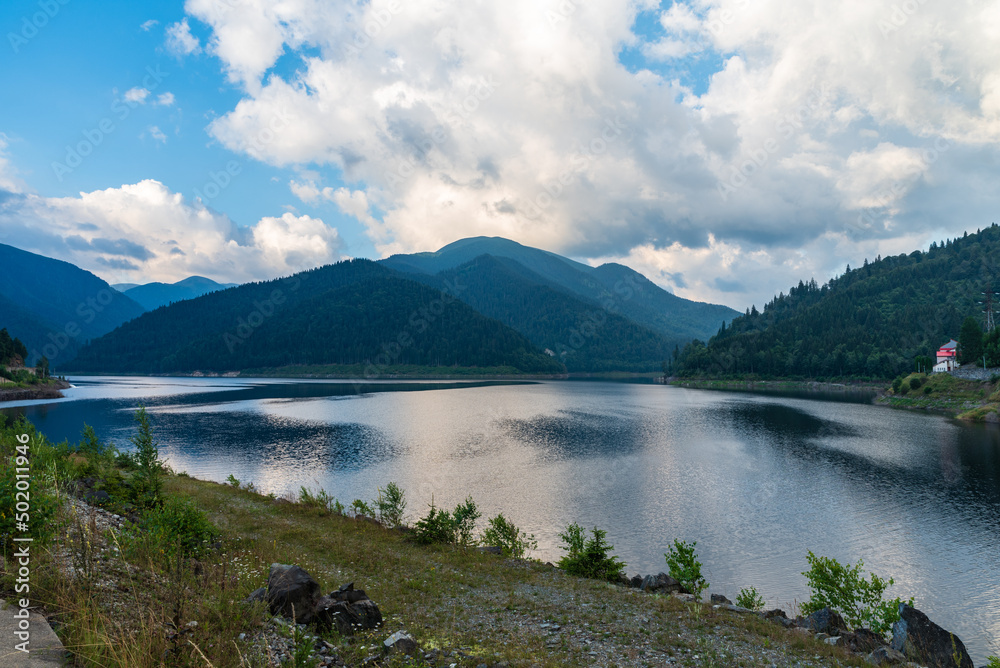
966	399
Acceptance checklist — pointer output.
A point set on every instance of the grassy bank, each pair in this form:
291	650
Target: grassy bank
780	385
973	400
164	582
30	389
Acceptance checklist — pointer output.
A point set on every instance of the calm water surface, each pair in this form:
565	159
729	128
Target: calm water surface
756	480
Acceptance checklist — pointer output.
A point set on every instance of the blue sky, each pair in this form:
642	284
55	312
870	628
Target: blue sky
726	149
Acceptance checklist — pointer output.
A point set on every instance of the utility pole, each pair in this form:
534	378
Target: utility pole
988	309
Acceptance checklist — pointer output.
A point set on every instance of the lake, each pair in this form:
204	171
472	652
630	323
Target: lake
756	480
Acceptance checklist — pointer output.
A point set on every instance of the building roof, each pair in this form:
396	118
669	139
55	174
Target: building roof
951	345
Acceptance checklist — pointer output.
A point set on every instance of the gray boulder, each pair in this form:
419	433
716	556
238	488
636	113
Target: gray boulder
400	642
348	610
926	643
661	584
720	599
826	620
862	641
885	656
292	593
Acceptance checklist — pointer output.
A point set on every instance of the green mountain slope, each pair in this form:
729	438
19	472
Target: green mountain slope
355	312
584	336
634	295
154	295
869	322
54	307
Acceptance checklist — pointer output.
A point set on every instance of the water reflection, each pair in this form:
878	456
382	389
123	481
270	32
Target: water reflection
756	480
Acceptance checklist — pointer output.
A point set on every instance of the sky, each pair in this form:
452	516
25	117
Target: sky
725	148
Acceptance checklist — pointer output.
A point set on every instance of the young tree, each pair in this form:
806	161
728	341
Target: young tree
970	342
147	459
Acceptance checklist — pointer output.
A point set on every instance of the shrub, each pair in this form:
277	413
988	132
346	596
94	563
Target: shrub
148	466
233	480
177	526
845	589
391	504
915	383
896	384
361	509
504	534
750	599
685	567
589	557
436	527
928	389
994	662
464	519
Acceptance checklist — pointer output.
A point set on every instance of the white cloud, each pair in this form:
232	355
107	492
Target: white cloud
455	119
136	95
148	25
157	134
165	100
145	232
9	178
180	41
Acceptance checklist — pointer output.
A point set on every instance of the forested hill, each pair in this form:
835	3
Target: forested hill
870	322
353	313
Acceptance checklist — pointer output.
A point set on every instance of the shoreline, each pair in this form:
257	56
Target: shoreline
51	390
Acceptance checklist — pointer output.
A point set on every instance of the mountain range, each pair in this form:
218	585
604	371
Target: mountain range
152	296
508	305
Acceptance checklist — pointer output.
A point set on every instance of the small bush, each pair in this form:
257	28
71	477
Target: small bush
233	480
915	383
843	588
589	557
904	388
897	383
148	466
464	518
750	599
504	534
436	527
994	662
685	567
361	509
391	504
928	389
177	525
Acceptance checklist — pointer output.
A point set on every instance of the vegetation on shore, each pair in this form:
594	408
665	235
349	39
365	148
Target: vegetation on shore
973	400
870	322
170	584
18	383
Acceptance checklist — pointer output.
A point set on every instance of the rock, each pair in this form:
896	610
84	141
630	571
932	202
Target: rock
885	656
97	497
863	641
833	640
348	618
687	598
257	595
720	599
734	608
661	584
292	592
921	640
491	549
400	642
823	621
635	582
